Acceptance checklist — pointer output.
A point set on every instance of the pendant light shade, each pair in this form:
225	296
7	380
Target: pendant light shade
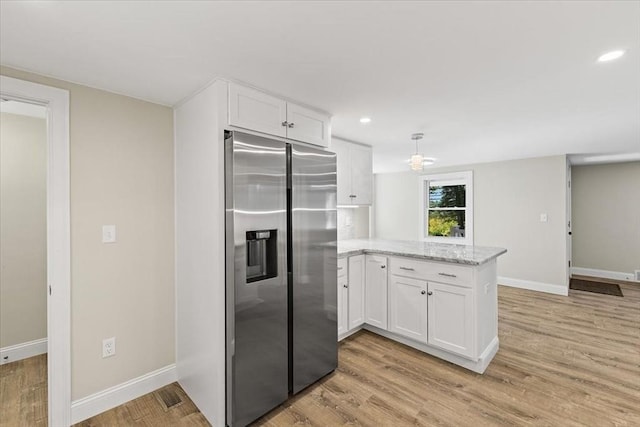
417	160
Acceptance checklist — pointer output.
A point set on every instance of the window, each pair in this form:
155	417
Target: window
446	208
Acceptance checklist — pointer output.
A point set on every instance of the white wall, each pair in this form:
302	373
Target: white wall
353	223
23	229
508	200
606	216
121	152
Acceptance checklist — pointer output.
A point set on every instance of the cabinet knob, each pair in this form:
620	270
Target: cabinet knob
345	286
383	266
423	292
428	293
290	125
285	123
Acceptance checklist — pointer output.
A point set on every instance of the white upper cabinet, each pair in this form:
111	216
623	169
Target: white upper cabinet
260	112
307	125
343	167
255	110
355	173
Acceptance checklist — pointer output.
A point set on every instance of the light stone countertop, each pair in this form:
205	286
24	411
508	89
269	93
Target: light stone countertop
460	254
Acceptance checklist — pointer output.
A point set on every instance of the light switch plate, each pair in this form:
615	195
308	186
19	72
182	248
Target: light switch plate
108	234
543	217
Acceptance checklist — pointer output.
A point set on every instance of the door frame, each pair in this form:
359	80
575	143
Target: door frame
58	240
568	225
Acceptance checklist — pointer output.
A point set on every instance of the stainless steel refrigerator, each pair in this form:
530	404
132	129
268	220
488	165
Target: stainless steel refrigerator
281	264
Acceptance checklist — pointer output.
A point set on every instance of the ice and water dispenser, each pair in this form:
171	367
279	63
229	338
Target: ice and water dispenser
262	255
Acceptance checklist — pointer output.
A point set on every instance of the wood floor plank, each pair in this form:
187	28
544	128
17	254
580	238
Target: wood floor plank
563	361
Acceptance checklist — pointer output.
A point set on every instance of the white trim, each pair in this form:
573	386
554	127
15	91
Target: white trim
476	365
549	288
605	274
58	240
13	353
447	179
350	332
104	400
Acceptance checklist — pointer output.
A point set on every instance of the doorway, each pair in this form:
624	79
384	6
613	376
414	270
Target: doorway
45	242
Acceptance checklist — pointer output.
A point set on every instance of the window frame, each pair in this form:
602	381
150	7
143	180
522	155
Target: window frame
452	178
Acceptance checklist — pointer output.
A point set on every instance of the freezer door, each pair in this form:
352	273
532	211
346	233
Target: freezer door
313	290
256	276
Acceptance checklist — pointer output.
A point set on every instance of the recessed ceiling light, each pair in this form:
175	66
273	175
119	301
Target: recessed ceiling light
610	56
365	120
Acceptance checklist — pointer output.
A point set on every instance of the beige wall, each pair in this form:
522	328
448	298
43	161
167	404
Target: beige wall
606	216
121	173
23	229
508	200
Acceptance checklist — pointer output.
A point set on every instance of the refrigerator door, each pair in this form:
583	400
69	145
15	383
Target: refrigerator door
256	276
313	290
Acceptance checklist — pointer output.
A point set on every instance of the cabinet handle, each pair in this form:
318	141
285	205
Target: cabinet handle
447	275
352	196
424	292
285	123
428	293
340	268
291	124
345	286
383	266
407	268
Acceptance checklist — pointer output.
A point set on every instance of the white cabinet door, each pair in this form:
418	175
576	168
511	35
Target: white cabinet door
355	173
408	308
361	175
356	291
307	125
255	110
343	167
375	307
451	318
343	307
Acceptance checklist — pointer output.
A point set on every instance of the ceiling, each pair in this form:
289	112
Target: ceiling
484	81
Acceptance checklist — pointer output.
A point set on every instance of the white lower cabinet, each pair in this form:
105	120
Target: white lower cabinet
451	315
375	295
343	297
356	291
408	308
444	309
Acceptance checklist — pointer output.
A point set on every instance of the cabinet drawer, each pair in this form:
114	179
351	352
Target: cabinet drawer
428	270
342	267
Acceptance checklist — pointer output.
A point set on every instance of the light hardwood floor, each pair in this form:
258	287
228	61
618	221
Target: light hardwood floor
563	361
23	392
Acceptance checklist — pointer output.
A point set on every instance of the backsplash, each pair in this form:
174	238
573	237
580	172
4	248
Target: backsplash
353	223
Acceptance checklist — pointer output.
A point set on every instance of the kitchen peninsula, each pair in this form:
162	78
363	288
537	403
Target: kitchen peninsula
438	298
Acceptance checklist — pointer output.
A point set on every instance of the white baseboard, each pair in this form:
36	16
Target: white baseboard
605	274
104	400
16	352
534	286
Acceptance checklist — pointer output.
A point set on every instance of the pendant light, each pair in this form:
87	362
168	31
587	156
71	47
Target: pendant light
417	160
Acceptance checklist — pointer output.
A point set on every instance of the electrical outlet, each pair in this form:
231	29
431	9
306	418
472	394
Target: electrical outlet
108	347
544	217
108	234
